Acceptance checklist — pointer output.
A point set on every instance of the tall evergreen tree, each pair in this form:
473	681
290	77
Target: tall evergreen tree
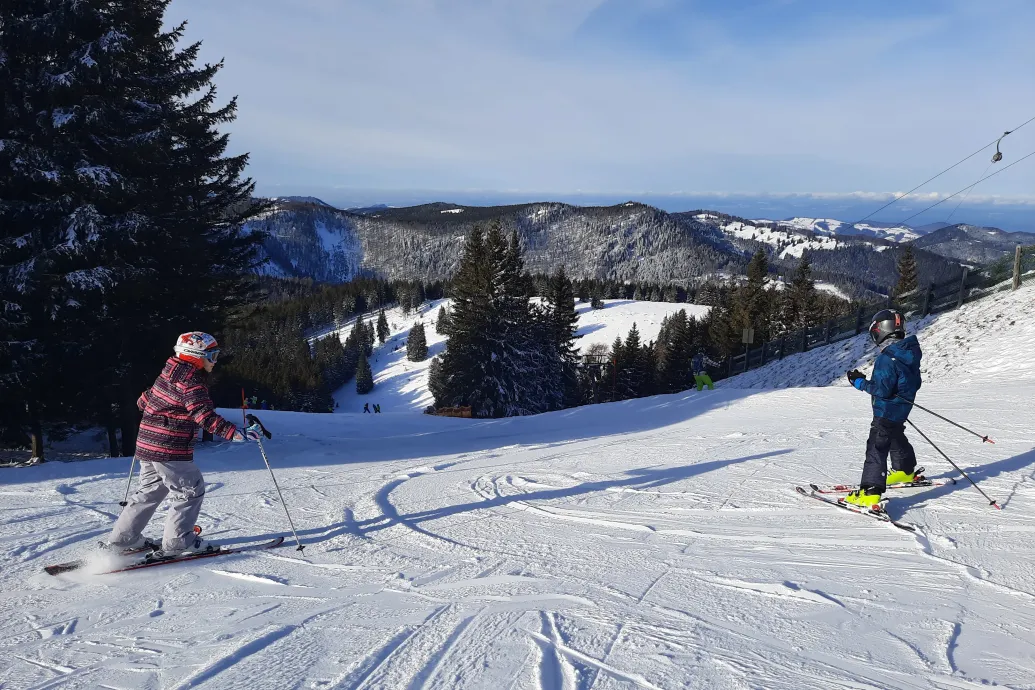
382	327
500	358
563	324
674	350
907	276
120	215
364	376
417	344
754	301
442	321
800	305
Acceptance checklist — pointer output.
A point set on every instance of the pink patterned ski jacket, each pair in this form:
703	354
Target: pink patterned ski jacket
174	407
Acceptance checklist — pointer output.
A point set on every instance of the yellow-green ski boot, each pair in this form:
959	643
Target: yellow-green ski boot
900	477
863	498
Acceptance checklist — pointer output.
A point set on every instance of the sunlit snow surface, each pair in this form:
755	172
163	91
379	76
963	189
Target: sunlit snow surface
654	543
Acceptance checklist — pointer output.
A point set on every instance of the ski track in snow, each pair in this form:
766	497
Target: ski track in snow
655	543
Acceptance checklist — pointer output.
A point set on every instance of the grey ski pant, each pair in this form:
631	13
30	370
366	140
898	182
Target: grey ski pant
886	438
179	478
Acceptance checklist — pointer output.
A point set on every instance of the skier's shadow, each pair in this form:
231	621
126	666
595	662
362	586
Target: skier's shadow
993	469
645	478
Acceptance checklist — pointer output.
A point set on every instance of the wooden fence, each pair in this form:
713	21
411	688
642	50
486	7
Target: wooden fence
1005	274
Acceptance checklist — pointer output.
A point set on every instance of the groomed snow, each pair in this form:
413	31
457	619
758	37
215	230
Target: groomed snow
653	543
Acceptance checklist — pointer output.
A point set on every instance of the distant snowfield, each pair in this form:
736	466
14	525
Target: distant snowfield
653	543
402	386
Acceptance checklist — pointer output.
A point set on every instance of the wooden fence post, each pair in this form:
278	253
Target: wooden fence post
859	321
963	287
927	299
805	339
1017	267
826	333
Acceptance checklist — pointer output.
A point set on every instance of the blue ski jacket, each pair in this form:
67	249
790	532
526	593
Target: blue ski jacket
699	363
895	373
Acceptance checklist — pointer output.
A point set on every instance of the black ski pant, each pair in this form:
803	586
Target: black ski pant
886	437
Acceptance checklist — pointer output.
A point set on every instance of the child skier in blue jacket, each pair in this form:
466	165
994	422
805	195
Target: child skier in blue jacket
894	385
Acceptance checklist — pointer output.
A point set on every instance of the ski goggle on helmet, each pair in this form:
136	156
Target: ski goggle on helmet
886	324
197	348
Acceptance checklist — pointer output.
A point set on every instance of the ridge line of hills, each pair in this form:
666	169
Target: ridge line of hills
631	241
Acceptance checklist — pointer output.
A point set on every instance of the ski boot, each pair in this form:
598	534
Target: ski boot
900	477
194	545
864	498
141	545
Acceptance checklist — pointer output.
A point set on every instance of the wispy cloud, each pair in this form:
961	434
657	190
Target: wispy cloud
616	95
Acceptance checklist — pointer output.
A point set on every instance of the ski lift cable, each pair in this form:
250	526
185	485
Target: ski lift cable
903	196
968	187
983	173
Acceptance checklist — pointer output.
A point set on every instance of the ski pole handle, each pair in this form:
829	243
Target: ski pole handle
255	420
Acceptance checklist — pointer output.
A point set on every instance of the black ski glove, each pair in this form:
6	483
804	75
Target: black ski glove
855	374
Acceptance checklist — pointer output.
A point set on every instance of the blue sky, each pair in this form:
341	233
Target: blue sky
623	97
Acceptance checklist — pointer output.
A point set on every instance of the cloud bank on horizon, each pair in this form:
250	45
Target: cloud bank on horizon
624	96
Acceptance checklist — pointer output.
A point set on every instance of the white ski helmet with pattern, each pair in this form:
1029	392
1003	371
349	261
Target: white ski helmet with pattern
197	348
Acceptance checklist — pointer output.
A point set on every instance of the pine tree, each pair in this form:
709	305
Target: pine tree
800	307
442	321
907	276
674	350
121	214
631	374
563	323
417	344
364	377
365	336
500	358
754	302
382	327
708	295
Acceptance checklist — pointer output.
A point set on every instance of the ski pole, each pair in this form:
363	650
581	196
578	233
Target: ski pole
129	482
255	420
958	426
991	502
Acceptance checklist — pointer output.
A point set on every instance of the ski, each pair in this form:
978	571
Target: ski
879	513
150	562
847	488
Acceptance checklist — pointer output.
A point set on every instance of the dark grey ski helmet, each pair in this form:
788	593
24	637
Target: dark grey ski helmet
887	323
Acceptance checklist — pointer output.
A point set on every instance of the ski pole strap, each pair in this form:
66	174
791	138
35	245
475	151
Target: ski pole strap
255	420
991	502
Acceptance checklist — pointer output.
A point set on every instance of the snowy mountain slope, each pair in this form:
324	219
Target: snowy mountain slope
984	341
829	226
402	386
625	242
786	239
652	543
973	244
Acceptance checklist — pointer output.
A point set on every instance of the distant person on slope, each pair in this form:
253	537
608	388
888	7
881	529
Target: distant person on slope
174	407
896	380
699	367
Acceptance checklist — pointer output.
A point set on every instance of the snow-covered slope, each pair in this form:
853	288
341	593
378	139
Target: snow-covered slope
402	386
829	226
788	241
653	543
